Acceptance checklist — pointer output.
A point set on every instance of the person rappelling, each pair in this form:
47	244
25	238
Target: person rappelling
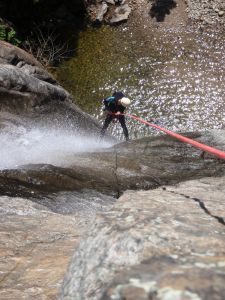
114	107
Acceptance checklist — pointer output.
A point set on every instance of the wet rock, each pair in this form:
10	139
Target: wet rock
142	164
27	88
121	14
166	243
39	180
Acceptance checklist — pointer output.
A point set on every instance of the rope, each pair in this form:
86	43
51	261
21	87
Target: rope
203	147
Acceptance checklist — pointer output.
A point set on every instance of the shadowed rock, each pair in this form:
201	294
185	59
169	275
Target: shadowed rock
30	91
142	164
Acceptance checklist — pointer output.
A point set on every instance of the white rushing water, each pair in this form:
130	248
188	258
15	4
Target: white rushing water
44	146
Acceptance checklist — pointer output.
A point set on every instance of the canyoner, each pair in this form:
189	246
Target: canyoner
114	107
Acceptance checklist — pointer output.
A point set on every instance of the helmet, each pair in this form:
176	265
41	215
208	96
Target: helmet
125	101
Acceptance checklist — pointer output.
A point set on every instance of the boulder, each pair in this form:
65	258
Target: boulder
141	164
20	91
102	10
27	89
117	11
166	243
121	14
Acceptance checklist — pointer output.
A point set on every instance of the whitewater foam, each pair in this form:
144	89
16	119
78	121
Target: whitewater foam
44	146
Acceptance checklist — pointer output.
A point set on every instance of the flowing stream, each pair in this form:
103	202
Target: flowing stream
173	76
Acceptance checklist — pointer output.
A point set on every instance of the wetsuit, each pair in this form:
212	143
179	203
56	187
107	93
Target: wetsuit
112	106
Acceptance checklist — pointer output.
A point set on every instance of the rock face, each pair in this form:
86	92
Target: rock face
37	243
164	236
155	241
29	90
166	243
142	164
162	244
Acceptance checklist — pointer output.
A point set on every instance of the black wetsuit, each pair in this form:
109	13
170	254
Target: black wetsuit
111	105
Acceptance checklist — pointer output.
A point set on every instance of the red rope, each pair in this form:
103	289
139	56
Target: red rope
184	139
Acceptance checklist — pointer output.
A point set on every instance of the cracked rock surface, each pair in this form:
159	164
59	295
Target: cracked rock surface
141	164
159	244
45	211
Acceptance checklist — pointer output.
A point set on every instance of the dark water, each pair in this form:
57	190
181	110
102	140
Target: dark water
174	76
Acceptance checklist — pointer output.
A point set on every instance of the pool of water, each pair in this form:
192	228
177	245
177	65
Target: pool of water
176	77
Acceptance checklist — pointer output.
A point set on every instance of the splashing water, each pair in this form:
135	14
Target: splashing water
44	146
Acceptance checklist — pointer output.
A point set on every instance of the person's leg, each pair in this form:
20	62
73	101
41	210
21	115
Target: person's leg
108	120
123	124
